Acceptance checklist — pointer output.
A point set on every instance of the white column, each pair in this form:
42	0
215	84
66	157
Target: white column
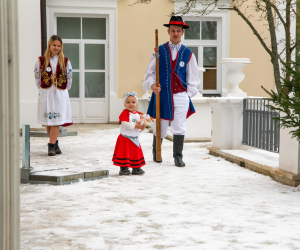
227	122
289	152
28	24
9	126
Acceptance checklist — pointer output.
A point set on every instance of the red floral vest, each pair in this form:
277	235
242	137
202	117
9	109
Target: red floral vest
61	76
176	83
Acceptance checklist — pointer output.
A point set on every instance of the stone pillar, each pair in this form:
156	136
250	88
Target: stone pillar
289	152
9	126
227	122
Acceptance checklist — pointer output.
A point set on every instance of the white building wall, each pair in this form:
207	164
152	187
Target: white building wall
29	51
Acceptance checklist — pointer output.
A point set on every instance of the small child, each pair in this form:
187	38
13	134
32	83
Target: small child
128	152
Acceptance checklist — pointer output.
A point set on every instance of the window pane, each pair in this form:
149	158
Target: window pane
71	51
94	56
209	30
210	79
93	28
69	27
210	57
94	84
195	51
74	90
194	31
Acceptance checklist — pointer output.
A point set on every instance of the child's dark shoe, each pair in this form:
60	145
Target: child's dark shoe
57	148
51	149
124	171
138	171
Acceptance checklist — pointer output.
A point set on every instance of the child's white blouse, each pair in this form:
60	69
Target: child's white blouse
128	120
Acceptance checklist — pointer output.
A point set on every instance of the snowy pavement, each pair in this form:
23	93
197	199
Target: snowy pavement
209	204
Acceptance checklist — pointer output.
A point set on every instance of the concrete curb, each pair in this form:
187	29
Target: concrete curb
44	134
66	179
277	174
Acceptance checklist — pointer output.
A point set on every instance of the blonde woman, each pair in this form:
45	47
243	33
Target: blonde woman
53	77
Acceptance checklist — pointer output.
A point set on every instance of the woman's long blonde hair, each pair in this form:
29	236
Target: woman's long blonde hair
61	57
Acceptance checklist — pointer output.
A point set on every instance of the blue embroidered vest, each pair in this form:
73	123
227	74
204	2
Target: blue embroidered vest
165	80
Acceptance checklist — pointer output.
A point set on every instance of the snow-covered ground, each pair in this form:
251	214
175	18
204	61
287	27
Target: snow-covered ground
209	204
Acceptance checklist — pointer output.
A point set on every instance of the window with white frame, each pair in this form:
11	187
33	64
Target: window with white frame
204	39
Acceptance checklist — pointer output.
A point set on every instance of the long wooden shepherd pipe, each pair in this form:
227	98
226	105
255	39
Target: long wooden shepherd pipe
158	126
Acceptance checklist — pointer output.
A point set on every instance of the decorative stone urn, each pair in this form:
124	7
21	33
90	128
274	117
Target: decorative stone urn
199	95
235	74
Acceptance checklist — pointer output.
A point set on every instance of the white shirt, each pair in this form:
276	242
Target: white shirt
192	72
127	127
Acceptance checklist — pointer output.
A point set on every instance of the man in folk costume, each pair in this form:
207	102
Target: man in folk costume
178	78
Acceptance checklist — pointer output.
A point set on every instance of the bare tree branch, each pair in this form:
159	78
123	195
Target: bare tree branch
252	28
278	13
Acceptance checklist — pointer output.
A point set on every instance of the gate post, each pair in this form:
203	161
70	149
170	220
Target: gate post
227	122
25	153
289	152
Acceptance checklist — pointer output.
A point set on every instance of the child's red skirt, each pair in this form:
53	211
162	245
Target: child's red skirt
127	154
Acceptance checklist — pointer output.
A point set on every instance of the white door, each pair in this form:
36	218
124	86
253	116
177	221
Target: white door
204	38
85	44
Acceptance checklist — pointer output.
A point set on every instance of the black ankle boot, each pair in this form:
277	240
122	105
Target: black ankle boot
138	171
57	148
154	149
51	150
124	171
177	150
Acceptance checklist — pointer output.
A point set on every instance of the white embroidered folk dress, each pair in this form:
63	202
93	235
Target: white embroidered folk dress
54	109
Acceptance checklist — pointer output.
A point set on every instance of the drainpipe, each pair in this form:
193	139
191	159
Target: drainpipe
43	27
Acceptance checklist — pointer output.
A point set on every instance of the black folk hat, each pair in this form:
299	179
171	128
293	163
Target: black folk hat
177	20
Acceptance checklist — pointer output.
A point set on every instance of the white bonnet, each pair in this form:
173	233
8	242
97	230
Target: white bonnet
129	94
